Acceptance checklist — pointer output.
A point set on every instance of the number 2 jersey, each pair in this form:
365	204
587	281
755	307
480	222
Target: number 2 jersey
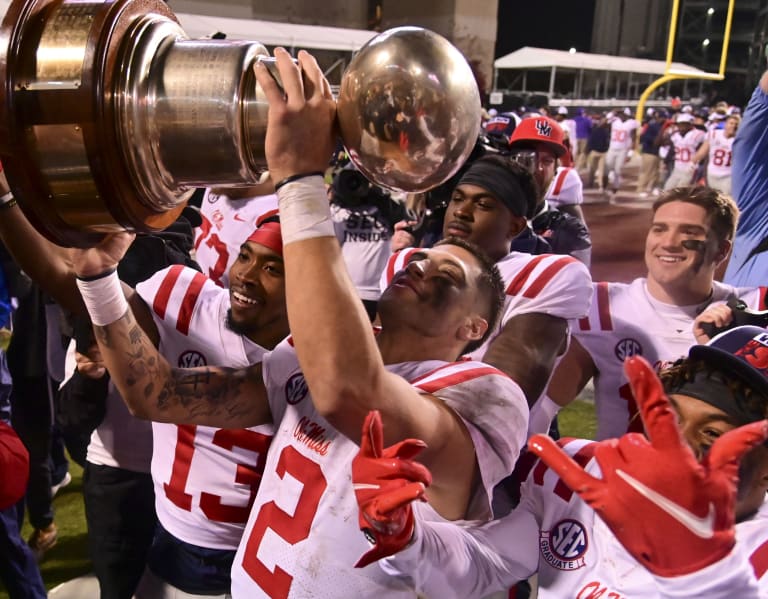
625	320
553	533
205	478
302	539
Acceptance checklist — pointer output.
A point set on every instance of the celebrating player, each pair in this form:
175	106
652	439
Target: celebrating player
718	149
690	235
318	386
686	139
666	525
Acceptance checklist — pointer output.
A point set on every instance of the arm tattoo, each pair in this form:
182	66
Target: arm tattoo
215	394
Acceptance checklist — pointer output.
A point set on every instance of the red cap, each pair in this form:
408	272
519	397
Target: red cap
539	129
268	232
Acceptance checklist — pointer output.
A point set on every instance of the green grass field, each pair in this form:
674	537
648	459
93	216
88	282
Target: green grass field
69	558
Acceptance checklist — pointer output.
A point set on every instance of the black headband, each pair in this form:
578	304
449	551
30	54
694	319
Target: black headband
713	389
500	183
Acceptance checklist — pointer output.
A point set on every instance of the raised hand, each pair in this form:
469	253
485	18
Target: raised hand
672	513
302	115
386	481
102	257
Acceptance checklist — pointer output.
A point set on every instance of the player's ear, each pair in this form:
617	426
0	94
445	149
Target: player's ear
723	250
517	225
473	328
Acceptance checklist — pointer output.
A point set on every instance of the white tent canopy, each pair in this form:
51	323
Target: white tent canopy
272	33
631	73
544	58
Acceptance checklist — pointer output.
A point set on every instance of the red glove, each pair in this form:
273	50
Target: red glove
672	513
386	481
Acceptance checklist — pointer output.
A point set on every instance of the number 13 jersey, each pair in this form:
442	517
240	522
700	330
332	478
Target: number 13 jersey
205	478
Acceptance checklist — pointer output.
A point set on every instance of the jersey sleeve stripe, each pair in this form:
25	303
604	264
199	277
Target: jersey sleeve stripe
560	181
545	277
430	386
759	560
604	307
160	305
188	305
517	283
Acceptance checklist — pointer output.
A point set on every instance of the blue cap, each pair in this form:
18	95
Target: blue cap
741	351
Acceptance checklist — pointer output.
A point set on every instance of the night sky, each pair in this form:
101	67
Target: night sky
558	24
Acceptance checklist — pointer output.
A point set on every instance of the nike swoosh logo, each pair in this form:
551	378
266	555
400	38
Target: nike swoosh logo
364	487
701	527
238	217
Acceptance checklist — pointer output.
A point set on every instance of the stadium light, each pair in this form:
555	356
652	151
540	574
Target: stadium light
705	43
710	11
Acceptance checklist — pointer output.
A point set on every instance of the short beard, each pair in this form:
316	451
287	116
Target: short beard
236	327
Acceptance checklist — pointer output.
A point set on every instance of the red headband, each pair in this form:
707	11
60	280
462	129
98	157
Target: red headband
269	236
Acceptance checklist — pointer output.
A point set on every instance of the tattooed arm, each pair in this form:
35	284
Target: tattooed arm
220	397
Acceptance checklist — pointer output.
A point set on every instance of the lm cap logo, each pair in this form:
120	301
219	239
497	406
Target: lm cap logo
544	128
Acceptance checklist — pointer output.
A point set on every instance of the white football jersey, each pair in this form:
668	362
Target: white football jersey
548	283
720	153
686	146
566	188
227	223
302	539
205	478
555	534
752	535
624	320
621	134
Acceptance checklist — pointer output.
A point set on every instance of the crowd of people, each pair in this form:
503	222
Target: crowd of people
316	388
679	145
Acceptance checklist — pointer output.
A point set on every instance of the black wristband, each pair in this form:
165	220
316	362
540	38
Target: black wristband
9	204
296	177
101	275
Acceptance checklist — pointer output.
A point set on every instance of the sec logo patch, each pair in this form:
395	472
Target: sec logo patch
563	547
626	348
192	359
296	389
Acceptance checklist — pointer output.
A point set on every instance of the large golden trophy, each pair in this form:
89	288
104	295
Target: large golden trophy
110	115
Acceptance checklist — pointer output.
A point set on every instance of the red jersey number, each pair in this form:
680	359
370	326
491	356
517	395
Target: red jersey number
247	474
218	246
291	529
721	157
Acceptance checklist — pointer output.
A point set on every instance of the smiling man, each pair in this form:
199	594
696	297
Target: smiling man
653	316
